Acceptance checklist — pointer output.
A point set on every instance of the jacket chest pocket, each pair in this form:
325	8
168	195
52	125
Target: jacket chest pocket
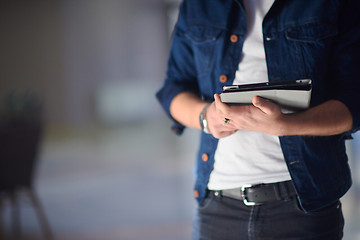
312	32
311	43
203	39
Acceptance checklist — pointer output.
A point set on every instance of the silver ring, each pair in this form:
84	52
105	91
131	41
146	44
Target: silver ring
226	120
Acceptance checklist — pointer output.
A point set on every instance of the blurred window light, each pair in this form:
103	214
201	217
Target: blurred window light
126	102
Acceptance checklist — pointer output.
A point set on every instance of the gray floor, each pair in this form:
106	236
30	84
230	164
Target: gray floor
130	183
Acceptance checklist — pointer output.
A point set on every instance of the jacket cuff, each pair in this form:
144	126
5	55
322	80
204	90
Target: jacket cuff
353	107
165	96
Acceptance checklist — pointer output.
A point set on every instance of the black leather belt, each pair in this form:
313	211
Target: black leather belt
260	193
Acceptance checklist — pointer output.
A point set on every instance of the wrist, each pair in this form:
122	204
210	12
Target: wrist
287	126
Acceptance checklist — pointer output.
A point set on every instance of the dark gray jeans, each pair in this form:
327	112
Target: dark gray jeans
222	218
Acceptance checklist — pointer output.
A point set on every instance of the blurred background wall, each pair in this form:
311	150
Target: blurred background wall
70	52
109	166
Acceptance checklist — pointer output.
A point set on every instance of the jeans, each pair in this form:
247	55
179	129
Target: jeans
222	218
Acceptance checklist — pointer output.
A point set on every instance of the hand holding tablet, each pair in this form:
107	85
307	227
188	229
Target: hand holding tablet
291	96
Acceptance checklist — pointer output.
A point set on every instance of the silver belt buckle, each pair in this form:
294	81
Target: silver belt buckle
243	195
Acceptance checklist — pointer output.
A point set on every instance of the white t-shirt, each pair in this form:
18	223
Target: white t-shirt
248	157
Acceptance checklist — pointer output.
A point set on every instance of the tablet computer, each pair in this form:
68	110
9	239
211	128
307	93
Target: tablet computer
289	95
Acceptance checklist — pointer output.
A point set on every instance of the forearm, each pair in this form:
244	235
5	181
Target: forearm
186	108
329	118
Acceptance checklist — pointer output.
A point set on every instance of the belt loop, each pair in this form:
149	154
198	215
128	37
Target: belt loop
285	189
288	189
277	191
282	190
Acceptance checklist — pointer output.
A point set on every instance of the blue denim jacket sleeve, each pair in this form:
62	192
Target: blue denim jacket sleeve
181	72
345	70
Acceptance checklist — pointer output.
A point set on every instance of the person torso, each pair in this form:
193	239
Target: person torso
248	157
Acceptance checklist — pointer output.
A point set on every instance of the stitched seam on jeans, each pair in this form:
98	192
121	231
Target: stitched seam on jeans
250	225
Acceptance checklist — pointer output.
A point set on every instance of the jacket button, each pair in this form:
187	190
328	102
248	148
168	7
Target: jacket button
205	157
196	193
234	38
223	78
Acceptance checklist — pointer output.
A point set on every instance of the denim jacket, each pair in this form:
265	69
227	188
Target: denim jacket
318	39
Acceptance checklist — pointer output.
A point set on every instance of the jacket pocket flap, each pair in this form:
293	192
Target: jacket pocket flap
200	33
312	31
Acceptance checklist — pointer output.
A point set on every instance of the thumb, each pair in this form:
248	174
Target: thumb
265	105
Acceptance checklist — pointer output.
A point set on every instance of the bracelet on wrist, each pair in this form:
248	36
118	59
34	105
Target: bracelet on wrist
203	121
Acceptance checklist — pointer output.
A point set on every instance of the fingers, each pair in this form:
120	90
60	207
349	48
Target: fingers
255	117
223	111
265	105
221	107
216	119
